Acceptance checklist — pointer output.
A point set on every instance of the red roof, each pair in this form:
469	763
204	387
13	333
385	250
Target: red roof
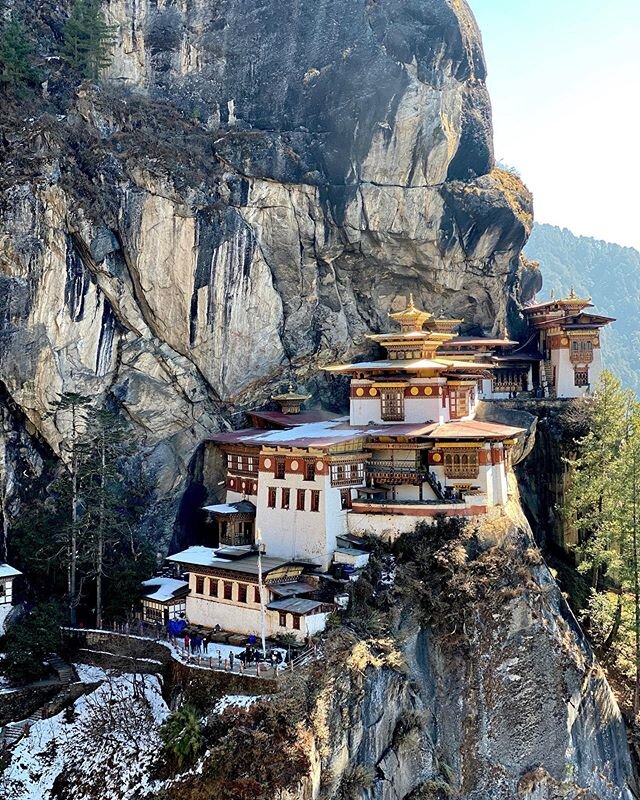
322	434
280	420
474	430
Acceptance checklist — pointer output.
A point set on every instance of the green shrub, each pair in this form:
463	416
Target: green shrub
354	780
29	642
182	737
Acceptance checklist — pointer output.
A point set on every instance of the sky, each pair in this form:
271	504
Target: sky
564	80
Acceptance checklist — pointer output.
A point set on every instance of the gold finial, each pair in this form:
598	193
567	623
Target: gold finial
572	294
505	333
411	305
553	294
290	387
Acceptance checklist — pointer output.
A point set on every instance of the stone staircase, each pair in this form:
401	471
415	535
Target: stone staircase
12	732
63	670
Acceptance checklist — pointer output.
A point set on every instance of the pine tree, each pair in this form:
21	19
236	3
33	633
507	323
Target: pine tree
17	54
88	40
592	500
182	736
72	405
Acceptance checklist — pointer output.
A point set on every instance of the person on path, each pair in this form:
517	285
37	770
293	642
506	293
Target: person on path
231	660
205	645
186	642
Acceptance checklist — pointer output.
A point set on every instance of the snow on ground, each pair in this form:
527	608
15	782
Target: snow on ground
117	724
87	673
236	700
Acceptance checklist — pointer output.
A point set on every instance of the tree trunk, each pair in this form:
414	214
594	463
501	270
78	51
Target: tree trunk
100	542
615	628
73	614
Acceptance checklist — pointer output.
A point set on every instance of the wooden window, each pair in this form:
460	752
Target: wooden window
345	499
581	377
282	619
271	502
199	584
309	470
279	469
300	499
315	500
242	592
392	404
285	499
463	464
296	622
458	403
228	590
256	594
213	587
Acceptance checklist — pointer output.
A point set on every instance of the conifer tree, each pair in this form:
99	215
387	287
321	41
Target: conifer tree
17	55
88	40
592	500
74	406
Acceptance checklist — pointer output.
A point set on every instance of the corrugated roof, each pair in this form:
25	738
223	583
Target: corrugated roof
165	589
208	557
292	589
7	571
315	434
474	430
298	605
228	509
293	420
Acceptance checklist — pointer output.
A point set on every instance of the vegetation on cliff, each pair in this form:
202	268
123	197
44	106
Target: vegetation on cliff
603	504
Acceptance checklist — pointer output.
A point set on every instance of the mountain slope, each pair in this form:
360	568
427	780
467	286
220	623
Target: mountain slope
607	272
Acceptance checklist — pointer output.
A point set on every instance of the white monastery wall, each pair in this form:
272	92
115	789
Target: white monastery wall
288	533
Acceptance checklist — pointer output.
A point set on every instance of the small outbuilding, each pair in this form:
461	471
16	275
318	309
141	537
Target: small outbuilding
7	576
164	599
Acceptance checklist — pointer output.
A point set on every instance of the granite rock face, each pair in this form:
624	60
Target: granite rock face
243	200
519	710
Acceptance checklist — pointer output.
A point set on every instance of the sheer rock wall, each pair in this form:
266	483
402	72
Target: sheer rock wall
520	711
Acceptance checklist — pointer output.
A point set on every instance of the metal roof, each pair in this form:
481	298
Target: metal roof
292	589
229	509
8	572
298	605
278	419
165	589
474	430
246	565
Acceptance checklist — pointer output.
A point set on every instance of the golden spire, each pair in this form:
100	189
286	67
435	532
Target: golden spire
412	318
572	294
552	295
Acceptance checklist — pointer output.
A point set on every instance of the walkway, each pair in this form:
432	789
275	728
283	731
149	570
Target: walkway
218	658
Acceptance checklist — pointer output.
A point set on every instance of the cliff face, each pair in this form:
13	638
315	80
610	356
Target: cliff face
246	196
515	708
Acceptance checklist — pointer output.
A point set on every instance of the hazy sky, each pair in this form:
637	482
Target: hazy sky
564	78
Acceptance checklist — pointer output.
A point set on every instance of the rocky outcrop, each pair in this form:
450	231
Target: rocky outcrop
514	709
245	198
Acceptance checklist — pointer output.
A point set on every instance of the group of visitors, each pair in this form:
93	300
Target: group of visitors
196	644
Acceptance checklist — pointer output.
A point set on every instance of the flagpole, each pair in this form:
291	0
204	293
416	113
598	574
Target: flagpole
261	589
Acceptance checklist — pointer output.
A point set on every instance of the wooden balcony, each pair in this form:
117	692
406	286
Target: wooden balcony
396	474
